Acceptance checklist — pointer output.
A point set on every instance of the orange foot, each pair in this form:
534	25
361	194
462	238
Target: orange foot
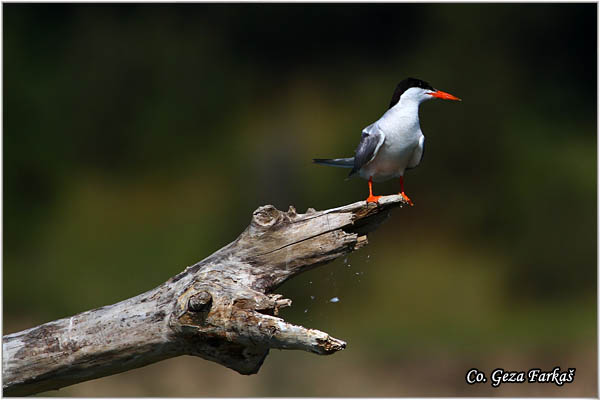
373	199
405	197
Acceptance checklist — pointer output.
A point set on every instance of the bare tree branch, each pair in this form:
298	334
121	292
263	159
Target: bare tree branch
222	308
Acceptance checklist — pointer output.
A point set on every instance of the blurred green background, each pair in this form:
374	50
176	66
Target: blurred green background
138	139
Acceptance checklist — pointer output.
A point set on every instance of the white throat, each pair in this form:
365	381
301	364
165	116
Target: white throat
404	116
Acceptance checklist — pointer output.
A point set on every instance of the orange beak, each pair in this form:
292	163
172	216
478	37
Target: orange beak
444	96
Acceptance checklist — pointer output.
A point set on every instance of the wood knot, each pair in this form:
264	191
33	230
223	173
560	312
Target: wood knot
266	216
200	302
292	212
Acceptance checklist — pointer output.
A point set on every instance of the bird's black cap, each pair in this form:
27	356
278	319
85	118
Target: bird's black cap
405	85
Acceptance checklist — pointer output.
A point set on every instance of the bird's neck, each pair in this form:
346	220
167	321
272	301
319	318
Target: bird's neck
404	115
408	107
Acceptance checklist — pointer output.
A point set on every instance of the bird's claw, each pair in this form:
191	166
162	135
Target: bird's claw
373	199
406	199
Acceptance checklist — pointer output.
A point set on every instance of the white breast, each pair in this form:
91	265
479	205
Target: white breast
402	131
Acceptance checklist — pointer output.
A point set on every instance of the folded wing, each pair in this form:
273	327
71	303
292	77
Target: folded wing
370	142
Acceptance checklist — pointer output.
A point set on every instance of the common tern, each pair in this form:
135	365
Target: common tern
393	143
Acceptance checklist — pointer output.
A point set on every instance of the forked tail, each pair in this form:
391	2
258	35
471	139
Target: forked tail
336	162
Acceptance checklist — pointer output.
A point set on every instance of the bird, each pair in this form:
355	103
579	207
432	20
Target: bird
394	143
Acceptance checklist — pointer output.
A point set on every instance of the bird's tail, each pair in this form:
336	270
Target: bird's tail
336	162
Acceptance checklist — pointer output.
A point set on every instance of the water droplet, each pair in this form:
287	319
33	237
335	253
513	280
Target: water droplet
312	297
334	300
306	310
345	260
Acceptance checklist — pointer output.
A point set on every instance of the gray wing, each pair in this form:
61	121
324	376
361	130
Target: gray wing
370	142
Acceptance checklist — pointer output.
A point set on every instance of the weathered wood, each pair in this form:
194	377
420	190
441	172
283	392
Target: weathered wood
222	308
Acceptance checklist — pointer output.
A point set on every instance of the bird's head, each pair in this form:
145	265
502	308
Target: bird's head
416	90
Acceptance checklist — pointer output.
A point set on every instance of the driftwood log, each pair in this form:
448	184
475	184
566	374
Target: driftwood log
222	308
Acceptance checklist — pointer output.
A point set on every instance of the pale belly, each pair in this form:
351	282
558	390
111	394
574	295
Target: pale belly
390	162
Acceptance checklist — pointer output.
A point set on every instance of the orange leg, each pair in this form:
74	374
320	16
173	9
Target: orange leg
404	196
371	198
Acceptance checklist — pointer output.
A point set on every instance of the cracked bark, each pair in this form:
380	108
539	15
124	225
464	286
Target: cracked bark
222	308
